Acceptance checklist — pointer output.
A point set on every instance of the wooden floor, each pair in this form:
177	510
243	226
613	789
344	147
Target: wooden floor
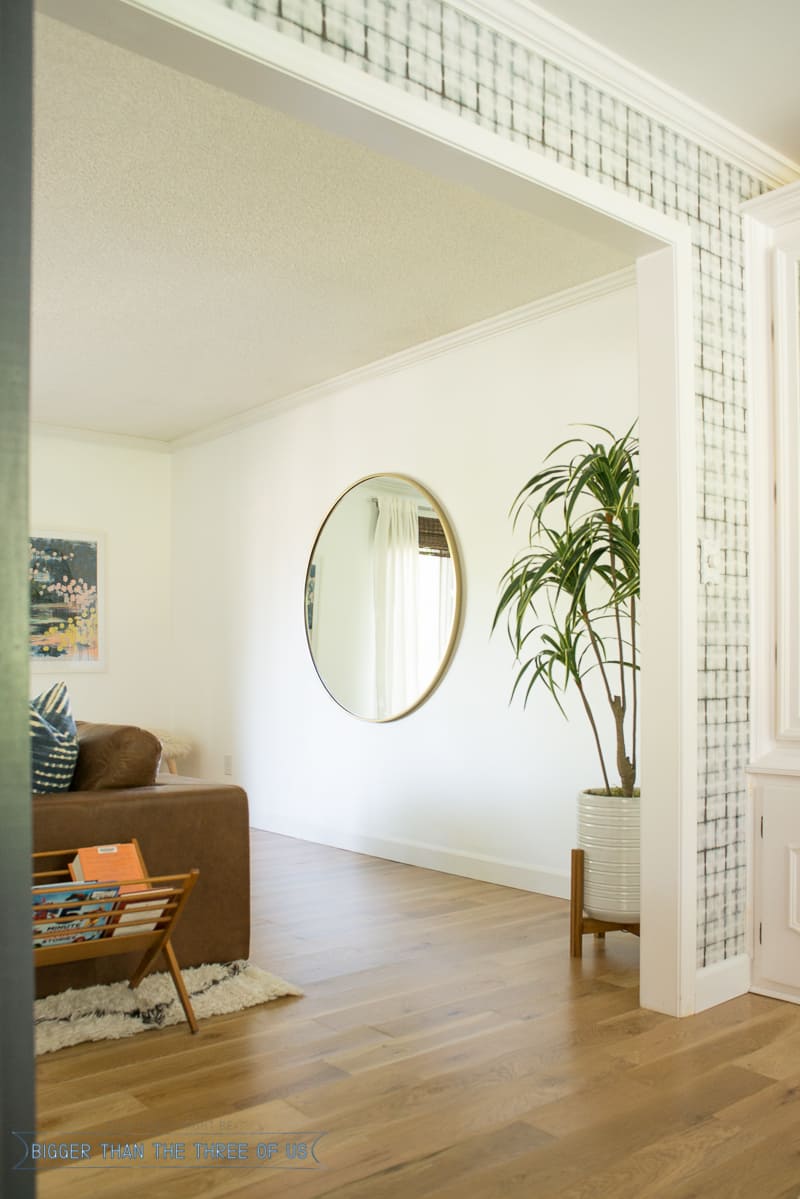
446	1046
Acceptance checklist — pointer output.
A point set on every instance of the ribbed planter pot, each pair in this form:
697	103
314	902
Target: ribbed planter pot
608	834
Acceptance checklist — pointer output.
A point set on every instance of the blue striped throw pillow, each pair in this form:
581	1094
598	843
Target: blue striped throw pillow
54	741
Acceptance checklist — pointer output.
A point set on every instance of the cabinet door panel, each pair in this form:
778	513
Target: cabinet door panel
777	956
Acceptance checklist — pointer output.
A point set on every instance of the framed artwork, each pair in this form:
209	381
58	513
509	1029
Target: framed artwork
66	602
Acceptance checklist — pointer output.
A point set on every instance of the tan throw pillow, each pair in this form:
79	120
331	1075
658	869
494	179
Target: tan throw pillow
115	755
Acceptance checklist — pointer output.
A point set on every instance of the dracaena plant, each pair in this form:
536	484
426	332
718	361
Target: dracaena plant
570	598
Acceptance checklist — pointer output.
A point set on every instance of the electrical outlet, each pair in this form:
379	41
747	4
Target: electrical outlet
227	764
710	562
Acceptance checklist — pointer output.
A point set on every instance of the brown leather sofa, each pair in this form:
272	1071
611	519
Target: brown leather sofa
178	824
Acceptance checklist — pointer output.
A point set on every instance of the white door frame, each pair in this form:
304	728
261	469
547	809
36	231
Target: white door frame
263	65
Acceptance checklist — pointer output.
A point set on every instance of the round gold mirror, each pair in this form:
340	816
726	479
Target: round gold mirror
383	597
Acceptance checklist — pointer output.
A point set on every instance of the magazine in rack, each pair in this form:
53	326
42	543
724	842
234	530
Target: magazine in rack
66	915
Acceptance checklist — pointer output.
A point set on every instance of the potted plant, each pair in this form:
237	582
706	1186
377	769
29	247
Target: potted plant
570	603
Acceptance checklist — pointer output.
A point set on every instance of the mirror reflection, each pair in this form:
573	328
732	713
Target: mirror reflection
382	597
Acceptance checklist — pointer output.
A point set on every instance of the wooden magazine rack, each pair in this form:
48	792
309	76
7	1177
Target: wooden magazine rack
132	924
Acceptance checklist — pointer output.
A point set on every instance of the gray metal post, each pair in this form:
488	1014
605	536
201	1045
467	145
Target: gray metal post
16	973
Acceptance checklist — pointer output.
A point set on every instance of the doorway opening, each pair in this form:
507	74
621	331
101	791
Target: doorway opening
326	96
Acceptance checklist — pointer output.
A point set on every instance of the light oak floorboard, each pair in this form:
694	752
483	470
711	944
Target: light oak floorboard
447	1046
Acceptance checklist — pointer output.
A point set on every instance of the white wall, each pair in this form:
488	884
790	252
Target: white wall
77	486
464	783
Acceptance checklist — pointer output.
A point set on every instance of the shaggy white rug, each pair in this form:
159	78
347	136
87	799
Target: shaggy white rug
116	1010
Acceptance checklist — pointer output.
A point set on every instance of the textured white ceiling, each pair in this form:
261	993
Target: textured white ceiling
738	58
196	255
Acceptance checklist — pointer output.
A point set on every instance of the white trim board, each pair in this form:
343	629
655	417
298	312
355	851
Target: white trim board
122	441
722	981
504	322
776	209
667	960
788	996
482	867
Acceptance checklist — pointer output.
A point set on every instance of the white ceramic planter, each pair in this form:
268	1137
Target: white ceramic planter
608	834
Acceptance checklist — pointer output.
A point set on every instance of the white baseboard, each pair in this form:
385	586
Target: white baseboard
483	867
721	982
788	995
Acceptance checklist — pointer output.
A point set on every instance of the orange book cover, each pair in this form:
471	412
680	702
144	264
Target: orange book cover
108	863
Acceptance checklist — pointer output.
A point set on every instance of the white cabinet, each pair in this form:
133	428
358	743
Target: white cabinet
776	887
772	238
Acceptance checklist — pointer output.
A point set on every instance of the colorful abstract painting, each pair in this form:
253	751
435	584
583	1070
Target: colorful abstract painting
65	614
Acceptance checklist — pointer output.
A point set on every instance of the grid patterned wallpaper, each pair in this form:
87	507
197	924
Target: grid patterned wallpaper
432	50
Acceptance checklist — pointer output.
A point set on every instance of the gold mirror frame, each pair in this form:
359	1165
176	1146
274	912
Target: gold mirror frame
455	630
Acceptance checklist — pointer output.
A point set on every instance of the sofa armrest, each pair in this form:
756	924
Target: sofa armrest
112	756
178	827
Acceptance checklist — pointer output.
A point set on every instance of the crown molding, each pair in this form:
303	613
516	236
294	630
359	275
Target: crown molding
567	47
775	208
122	441
493	326
505	322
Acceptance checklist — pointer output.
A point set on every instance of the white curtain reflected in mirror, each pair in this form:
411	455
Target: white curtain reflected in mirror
395	573
382	597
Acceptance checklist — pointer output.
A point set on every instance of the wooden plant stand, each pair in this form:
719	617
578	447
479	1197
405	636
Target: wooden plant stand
579	924
146	925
